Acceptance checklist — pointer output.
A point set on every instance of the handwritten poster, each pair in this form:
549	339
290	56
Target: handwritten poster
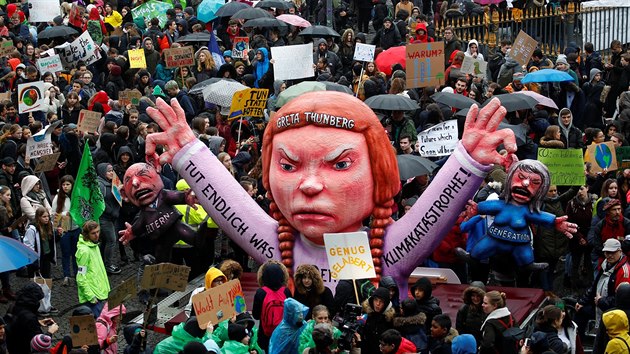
176	57
137	59
165	275
40	144
31	97
43	10
439	140
364	52
50	64
523	48
566	166
240	47
425	64
47	162
601	156
219	303
474	66
82	48
293	61
123	292
6	47
89	121
248	102
83	330
349	255
128	96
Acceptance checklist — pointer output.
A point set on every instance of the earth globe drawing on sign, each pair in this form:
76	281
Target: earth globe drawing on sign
30	95
239	304
603	156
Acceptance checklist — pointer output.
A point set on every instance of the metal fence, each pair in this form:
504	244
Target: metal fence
554	27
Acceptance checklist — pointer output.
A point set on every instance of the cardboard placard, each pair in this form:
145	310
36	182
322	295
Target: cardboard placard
31	97
137	59
47	162
5	96
83	330
41	144
439	140
50	64
117	185
293	61
219	303
82	48
364	52
165	275
63	221
123	292
6	47
127	96
523	48
349	255
425	64
248	102
623	157
566	166
601	156
176	57
89	121
240	47
473	66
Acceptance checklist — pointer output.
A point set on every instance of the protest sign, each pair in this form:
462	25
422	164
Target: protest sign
240	47
623	157
601	156
474	66
116	187
40	144
127	96
523	48
50	64
248	102
293	61
83	330
5	96
6	47
62	221
123	292
219	303
81	49
425	64
137	59
566	166
47	162
364	52
151	9
349	255
88	121
31	97
176	57
43	10
439	140
165	275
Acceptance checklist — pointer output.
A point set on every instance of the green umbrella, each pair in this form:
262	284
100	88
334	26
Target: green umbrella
296	90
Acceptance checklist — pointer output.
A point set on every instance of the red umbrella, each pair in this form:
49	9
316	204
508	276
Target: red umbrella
394	55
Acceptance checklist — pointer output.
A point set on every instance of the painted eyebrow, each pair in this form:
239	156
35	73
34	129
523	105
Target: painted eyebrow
287	152
338	151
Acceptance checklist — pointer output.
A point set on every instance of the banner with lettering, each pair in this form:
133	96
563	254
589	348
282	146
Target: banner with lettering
137	59
425	64
240	47
293	61
523	48
219	303
50	64
176	57
364	52
349	255
249	102
81	49
566	166
40	144
439	140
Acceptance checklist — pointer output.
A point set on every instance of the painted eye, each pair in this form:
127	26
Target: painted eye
287	167
343	165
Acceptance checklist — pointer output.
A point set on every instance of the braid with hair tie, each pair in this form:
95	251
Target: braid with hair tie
381	217
285	234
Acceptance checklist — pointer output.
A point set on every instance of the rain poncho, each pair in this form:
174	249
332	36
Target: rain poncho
285	337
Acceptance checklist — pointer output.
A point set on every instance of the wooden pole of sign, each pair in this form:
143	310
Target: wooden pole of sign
147	314
120	315
356	293
356	94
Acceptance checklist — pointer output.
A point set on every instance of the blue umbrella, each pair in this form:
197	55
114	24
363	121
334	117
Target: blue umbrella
14	254
207	10
547	75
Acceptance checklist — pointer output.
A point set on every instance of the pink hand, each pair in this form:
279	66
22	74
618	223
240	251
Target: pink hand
175	131
126	235
481	137
567	228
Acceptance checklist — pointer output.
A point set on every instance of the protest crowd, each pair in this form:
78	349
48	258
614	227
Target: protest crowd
76	90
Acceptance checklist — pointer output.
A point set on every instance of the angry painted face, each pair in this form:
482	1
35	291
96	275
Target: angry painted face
142	184
525	185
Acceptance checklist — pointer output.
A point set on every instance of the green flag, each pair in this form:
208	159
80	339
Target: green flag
87	202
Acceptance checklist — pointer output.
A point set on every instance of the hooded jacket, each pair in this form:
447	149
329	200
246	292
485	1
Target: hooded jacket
428	305
30	200
492	330
620	274
24	324
273	275
421	38
212	274
571	136
469	54
285	338
376	322
411	324
616	323
389	283
470	317
317	294
112	208
464	344
106	327
134	340
92	281
181	336
622	299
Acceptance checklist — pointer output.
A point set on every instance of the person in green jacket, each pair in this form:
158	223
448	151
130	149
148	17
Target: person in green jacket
92	281
320	315
220	334
239	339
183	333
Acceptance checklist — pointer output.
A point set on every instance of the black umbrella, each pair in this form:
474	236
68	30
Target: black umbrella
410	166
333	86
57	32
276	4
515	102
251	13
231	8
390	102
319	31
453	100
520	132
202	37
264	22
198	88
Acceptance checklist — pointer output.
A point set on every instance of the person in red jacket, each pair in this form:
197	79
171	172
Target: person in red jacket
422	35
392	342
444	254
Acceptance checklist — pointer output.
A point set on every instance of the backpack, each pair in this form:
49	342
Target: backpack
494	66
513	338
272	309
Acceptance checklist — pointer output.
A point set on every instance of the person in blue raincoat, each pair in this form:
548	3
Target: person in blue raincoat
285	337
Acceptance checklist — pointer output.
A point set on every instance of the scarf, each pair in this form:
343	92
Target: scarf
496	314
612	229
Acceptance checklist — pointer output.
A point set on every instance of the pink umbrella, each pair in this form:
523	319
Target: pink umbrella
294	20
394	55
542	100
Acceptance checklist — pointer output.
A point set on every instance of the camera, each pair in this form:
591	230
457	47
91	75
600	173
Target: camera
348	324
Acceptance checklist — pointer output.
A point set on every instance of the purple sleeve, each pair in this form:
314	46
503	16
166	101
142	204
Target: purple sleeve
410	240
227	203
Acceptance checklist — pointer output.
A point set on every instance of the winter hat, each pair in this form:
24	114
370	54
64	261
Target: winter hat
611	203
227	53
464	344
114	105
157	91
115	70
594	71
194	348
189	10
478	284
381	293
41	343
245	319
517	77
192	327
238	64
237	332
562	60
425	285
58	20
448	89
388	19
